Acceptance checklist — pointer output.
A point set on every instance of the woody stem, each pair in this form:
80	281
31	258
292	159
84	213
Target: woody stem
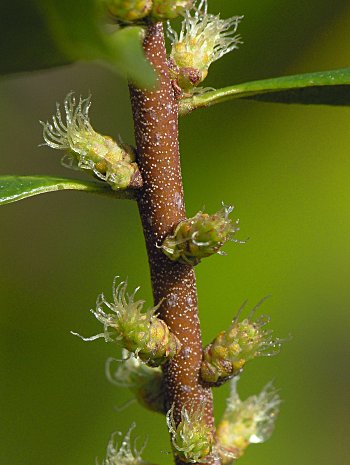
161	207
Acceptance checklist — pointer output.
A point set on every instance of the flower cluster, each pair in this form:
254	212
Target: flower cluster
125	454
231	349
136	10
167	9
203	39
142	333
128	10
246	422
192	438
200	236
146	383
86	149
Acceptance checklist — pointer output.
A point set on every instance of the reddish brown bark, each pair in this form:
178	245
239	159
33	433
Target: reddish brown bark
161	207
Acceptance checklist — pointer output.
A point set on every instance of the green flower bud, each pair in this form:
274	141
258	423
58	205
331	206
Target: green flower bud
203	39
192	438
246	422
231	349
168	9
128	10
146	383
200	236
88	150
142	333
126	453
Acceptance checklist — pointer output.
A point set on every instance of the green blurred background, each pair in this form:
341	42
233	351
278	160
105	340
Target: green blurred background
285	168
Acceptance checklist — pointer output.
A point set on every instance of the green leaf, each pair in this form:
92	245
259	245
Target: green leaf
38	34
125	51
14	188
322	88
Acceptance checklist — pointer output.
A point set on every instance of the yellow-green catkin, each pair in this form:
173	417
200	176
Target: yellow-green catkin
88	150
128	10
232	349
192	438
201	236
246	422
203	39
141	333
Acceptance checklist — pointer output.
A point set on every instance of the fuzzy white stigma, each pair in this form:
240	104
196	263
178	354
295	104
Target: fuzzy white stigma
68	132
258	413
126	453
247	422
203	39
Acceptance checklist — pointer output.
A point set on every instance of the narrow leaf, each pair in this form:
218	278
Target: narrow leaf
321	88
14	188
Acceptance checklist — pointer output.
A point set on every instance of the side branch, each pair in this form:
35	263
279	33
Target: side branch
320	88
161	207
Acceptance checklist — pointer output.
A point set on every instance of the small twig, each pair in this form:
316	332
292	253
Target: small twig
161	207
